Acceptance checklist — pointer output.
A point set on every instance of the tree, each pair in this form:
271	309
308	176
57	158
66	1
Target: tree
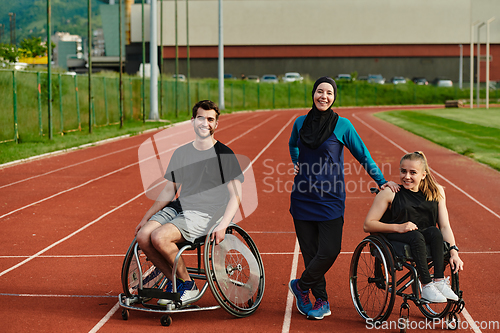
33	47
9	53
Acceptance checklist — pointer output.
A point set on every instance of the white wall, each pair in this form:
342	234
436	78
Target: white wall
323	22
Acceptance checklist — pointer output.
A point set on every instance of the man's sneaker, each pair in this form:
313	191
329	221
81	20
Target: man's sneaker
443	286
188	290
432	294
320	310
302	297
168	288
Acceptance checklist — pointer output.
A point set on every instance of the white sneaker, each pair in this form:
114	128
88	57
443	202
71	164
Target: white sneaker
432	294
444	287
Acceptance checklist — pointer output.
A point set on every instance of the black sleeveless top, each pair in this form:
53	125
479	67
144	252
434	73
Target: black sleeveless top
413	206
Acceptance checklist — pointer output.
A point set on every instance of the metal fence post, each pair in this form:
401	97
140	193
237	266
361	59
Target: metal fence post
61	103
77	101
39	90
105	99
14	96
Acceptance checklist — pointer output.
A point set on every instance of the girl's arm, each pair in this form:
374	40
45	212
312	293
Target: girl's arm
444	225
372	222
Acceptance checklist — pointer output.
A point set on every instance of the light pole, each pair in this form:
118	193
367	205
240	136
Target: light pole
478	87
221	59
153	61
472	63
120	37
49	69
460	69
488	61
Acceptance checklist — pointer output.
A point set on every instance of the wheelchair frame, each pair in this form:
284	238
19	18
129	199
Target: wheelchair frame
233	270
374	265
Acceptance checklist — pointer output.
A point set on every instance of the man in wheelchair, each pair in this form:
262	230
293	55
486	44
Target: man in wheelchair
203	177
410	216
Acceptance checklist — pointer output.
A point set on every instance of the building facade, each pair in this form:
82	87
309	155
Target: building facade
322	37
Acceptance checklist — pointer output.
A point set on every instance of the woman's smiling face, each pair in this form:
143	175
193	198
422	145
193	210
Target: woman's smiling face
324	96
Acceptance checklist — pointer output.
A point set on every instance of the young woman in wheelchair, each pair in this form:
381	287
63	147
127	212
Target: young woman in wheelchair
414	212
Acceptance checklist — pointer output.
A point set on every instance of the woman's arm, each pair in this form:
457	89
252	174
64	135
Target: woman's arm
445	227
351	139
294	136
372	222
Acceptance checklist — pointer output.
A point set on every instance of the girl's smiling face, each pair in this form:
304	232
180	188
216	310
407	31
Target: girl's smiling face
411	173
324	96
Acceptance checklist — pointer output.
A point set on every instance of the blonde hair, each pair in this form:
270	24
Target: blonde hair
429	186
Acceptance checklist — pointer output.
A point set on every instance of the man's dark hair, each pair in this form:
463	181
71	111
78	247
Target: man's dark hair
206	105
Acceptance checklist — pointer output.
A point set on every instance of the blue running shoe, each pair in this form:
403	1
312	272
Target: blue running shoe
188	290
168	288
302	297
320	310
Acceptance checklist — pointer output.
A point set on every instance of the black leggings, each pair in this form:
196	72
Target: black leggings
417	240
320	244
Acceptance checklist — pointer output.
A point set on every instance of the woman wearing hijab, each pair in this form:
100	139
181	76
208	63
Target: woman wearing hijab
318	196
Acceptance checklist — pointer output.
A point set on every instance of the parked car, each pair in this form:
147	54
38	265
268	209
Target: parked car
180	77
398	80
442	82
420	81
229	76
376	78
270	78
344	77
254	78
292	77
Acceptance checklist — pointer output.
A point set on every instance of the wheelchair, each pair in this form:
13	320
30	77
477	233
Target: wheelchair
381	269
233	270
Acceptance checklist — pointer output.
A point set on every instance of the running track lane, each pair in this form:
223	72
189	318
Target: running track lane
60	272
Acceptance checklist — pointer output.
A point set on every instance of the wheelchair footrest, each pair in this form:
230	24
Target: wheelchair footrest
158	293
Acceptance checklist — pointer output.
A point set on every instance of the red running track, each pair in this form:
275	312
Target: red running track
67	221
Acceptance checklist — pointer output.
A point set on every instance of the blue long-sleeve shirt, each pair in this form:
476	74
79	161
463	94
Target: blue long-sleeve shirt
319	188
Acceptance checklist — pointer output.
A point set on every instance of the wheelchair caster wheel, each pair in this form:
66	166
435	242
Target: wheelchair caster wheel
125	314
166	320
452	322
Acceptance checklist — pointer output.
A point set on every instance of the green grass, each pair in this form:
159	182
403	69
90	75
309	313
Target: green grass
10	151
474	133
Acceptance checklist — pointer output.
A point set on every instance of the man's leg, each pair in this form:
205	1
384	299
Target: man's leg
164	239
145	243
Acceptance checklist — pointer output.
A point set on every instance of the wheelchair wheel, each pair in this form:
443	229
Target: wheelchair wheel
439	310
372	280
152	277
235	272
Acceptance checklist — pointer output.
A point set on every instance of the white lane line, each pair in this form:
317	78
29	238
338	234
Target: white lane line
69	236
105	155
121	255
103	176
105	318
466	314
433	170
80	163
290	298
102	216
57	296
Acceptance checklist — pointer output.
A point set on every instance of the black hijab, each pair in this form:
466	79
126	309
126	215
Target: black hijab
319	125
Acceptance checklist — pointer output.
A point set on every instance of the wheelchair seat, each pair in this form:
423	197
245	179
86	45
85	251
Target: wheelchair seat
403	252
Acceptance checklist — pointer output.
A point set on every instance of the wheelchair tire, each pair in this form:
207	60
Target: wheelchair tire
152	277
372	279
439	310
235	272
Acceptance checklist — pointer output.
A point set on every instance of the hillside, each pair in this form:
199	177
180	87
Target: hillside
31	17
